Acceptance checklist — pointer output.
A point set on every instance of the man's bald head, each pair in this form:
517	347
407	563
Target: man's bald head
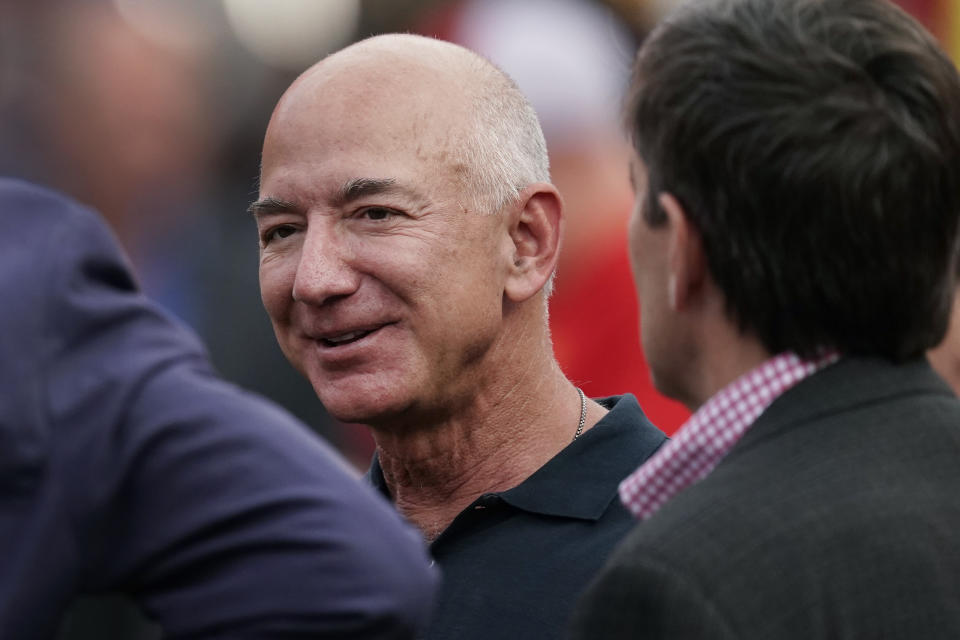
464	111
382	288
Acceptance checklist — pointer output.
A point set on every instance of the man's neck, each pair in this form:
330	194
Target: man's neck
508	431
726	356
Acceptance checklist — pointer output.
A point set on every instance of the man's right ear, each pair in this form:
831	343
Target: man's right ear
686	260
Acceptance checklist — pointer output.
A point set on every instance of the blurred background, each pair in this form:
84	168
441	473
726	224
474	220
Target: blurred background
153	112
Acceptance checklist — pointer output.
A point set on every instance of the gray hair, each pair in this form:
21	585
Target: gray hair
504	148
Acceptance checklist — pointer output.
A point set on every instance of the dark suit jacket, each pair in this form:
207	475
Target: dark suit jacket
127	465
836	516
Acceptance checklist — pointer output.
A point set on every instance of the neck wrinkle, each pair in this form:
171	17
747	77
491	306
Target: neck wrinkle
511	427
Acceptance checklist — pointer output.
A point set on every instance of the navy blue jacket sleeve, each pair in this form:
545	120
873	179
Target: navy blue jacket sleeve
131	467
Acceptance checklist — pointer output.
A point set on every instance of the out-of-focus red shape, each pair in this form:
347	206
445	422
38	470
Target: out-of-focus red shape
923	10
939	16
593	318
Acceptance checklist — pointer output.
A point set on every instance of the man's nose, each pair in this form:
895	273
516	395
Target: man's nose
324	271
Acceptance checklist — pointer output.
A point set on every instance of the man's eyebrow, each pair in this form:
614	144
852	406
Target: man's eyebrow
350	191
268	205
361	187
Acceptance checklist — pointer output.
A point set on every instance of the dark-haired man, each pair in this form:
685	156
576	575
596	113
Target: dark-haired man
797	167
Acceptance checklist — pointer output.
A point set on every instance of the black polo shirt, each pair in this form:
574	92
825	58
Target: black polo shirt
515	562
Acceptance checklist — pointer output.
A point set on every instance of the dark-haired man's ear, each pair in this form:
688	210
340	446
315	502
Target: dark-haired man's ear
535	229
686	261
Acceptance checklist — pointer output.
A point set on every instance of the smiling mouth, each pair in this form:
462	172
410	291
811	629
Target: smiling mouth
348	337
345	338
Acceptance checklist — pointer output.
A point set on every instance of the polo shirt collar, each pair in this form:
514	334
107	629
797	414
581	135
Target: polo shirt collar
581	480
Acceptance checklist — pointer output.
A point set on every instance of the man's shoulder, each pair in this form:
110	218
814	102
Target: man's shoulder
626	421
768	563
814	505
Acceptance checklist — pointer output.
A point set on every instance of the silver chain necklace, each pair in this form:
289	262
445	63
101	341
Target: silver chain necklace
583	413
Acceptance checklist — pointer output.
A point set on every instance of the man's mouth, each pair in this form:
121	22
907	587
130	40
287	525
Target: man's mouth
345	338
348	337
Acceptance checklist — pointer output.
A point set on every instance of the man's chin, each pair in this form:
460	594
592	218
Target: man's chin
368	397
362	408
672	387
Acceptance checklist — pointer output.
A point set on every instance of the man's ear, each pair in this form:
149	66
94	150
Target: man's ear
686	261
535	229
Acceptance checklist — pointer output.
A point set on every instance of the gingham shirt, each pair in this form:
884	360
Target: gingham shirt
710	433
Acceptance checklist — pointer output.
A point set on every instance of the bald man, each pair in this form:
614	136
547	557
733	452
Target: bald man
408	237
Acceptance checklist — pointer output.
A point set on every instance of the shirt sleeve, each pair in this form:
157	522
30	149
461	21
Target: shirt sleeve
221	514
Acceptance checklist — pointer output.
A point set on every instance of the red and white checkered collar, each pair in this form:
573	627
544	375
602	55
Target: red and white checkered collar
706	438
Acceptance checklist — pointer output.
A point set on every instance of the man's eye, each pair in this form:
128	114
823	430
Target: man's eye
378	213
279	232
